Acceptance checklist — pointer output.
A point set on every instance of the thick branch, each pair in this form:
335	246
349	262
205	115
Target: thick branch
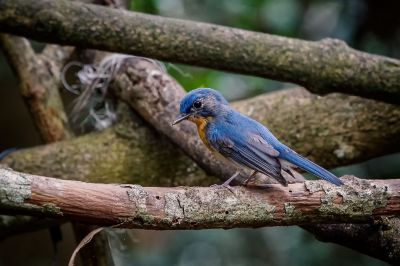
325	66
198	207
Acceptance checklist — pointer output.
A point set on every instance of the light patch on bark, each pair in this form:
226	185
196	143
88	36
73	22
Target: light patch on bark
138	196
15	187
357	198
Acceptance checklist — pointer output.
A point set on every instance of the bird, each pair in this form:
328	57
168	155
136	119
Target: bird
242	140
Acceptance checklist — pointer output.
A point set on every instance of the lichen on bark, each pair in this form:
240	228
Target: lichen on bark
15	188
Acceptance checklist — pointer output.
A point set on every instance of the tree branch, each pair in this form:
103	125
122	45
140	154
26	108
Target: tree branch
38	86
322	67
198	207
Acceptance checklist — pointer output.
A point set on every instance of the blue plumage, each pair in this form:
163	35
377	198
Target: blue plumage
243	140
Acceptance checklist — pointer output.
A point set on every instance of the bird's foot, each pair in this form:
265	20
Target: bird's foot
224	185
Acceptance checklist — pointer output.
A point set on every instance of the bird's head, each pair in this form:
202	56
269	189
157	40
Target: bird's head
202	103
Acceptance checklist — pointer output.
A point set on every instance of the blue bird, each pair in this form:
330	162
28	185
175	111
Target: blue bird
242	140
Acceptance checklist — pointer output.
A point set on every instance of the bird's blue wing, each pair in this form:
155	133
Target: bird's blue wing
248	149
291	156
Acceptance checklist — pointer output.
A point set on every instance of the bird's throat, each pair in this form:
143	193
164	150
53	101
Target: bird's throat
201	124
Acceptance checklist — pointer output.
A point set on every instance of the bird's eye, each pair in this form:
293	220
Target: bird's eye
197	104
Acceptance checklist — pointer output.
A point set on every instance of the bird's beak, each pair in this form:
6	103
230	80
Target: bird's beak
180	118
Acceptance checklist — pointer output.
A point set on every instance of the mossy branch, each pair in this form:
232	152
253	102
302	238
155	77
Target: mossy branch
322	67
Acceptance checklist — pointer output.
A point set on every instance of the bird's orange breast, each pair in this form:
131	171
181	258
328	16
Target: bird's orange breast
201	123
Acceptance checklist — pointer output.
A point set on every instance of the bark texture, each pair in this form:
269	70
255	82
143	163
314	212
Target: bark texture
199	207
322	67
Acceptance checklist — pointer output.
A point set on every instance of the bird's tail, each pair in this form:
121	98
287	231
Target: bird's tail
309	166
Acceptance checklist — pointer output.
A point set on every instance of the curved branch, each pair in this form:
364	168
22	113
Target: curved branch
322	67
199	207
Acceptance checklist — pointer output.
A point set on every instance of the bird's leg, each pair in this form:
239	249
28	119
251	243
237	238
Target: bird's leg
227	182
250	178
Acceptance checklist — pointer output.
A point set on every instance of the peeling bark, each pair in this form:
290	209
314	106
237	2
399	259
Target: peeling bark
324	66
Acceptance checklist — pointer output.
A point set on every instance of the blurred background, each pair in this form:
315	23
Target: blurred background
367	25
